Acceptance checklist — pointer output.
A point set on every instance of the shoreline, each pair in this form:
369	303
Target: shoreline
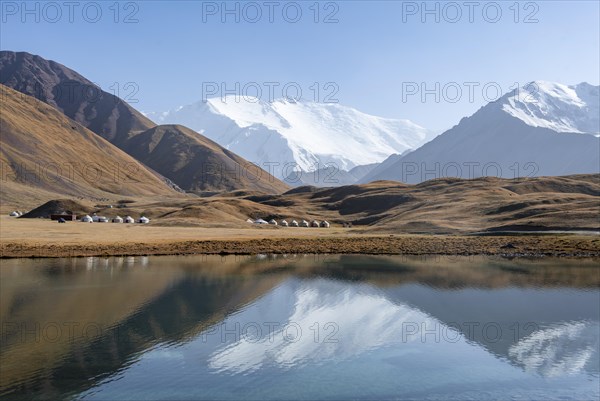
530	245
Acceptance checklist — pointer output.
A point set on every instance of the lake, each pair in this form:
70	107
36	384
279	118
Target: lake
299	327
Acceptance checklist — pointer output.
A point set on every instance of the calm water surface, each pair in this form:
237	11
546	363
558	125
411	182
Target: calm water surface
299	328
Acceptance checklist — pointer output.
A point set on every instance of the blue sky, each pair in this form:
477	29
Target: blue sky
372	57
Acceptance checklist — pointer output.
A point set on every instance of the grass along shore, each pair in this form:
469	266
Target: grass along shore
44	238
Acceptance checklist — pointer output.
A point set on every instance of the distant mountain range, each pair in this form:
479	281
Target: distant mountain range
291	137
545	128
191	161
542	129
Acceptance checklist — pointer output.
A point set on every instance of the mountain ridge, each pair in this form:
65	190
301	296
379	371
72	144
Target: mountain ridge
116	121
45	153
299	135
74	95
495	142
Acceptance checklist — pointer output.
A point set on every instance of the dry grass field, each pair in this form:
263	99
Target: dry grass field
45	238
557	216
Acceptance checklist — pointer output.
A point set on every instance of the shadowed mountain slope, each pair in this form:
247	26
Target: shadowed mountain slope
44	151
178	154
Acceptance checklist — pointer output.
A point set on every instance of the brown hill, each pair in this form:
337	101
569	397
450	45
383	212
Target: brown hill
71	93
196	163
45	152
189	159
443	206
59	206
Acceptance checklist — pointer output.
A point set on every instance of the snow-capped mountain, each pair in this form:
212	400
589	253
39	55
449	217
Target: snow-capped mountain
541	129
285	136
555	106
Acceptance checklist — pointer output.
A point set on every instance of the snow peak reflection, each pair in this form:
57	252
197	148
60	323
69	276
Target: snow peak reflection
271	332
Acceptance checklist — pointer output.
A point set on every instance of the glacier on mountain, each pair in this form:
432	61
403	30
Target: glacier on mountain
286	136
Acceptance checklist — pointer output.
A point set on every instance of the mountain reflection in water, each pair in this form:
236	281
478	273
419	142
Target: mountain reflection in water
364	327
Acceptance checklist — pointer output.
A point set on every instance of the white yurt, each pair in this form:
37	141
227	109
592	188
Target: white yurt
315	223
86	219
14	214
284	223
325	224
117	219
129	219
272	222
260	221
304	223
144	220
294	223
102	219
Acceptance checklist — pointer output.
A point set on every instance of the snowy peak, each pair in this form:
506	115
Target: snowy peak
247	112
555	106
542	129
326	128
298	135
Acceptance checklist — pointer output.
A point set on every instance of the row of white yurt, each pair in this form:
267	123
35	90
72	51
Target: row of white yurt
118	219
293	223
304	223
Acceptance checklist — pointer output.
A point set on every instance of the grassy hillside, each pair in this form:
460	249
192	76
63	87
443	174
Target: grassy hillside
196	163
180	154
434	207
44	153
